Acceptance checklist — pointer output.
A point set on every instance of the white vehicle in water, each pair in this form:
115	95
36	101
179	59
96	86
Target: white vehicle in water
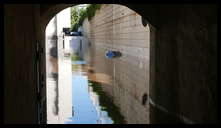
72	43
76	43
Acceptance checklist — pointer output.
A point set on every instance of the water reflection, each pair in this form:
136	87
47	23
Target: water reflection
85	101
73	99
96	76
56	108
74	94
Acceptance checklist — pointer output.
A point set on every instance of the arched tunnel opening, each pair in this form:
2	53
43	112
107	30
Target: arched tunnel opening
97	51
182	63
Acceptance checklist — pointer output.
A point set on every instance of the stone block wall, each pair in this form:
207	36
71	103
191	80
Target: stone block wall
117	27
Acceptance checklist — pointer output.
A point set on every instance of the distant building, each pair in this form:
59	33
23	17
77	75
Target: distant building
54	31
56	46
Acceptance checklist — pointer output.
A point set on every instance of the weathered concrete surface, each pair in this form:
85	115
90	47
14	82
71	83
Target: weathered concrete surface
119	28
183	74
184	59
20	79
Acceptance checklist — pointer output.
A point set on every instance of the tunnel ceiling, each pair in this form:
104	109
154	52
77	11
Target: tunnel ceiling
148	11
44	7
155	14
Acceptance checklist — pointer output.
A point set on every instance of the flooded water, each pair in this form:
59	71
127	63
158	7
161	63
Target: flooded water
74	90
85	102
75	96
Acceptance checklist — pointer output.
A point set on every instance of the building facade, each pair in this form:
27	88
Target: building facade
59	99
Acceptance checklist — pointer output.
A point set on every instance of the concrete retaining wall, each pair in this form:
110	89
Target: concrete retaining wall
119	28
182	65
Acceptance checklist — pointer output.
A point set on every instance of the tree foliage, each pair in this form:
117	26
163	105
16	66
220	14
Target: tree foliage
78	15
74	15
91	10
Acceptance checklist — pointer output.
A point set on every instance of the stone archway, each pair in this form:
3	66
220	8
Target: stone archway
184	60
171	22
51	12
